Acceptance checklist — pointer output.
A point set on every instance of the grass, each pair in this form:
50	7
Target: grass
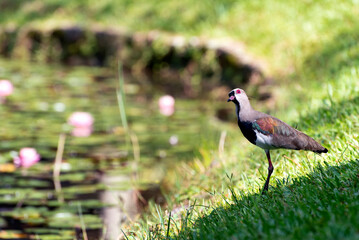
311	50
322	204
311	197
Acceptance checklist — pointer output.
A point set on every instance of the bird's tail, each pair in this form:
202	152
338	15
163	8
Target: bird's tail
324	150
304	142
310	144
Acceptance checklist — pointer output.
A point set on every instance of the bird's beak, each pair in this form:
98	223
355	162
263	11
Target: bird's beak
230	99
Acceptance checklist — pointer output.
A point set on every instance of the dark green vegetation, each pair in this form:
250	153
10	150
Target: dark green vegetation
321	205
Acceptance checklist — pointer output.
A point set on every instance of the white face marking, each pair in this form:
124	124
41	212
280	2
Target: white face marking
240	95
244	105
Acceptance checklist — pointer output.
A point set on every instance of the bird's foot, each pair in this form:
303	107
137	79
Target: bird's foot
265	189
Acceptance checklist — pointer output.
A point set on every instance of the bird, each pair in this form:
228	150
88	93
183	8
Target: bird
268	132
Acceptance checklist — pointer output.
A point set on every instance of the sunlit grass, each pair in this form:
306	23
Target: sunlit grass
310	196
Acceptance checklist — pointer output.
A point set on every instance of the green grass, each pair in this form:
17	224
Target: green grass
311	196
321	205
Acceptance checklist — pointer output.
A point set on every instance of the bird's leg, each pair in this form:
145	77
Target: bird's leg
270	170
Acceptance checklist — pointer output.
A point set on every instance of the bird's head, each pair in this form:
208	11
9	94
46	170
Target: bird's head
240	99
238	96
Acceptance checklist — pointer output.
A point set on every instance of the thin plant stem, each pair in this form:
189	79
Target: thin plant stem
292	160
135	146
130	134
168	226
57	167
124	234
83	226
222	140
121	98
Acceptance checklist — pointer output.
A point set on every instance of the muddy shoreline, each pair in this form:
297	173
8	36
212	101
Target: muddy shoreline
185	67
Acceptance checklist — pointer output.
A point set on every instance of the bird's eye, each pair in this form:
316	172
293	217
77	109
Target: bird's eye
238	91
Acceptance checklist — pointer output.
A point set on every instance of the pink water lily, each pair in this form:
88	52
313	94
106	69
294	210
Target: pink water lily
166	105
27	157
6	89
81	119
82	123
81	131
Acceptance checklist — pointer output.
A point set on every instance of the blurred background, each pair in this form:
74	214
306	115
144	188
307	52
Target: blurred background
106	105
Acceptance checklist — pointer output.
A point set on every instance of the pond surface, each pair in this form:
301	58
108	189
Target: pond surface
101	181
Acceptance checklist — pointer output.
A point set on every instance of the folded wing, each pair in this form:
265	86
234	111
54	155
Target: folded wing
284	136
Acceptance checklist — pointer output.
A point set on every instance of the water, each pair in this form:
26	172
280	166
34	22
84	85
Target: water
101	180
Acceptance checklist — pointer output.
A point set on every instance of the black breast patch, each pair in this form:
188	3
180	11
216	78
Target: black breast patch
248	132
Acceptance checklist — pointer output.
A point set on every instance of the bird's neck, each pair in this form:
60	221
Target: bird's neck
244	112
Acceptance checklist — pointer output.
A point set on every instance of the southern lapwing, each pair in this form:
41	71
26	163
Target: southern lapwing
268	132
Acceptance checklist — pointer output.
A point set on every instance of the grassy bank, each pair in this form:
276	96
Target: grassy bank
317	90
311	196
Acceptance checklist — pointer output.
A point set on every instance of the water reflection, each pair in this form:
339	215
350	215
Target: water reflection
122	205
96	171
